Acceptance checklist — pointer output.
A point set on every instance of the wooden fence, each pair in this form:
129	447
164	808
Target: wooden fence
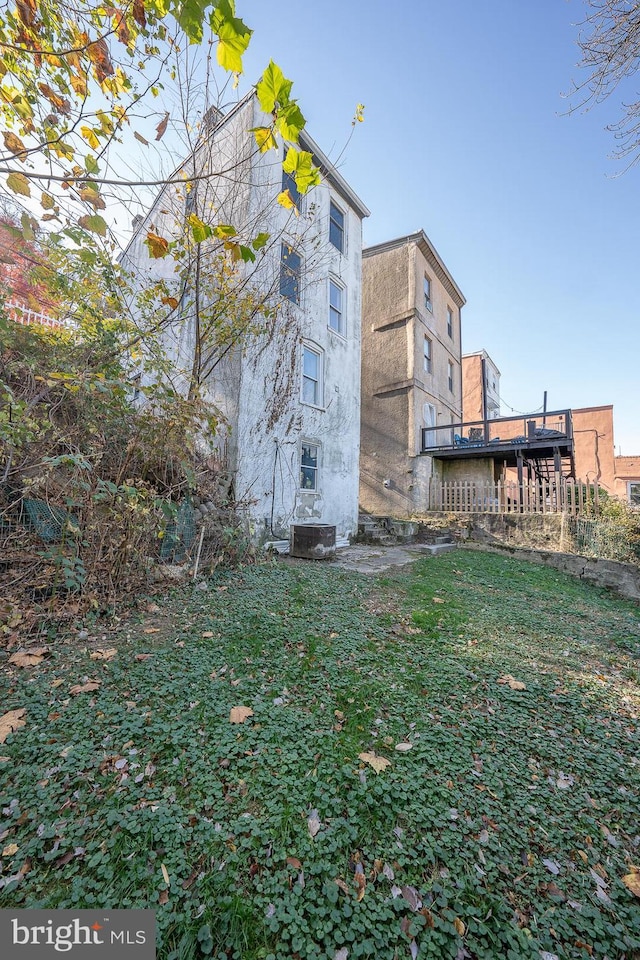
536	496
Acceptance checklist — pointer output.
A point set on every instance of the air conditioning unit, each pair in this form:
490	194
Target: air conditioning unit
313	541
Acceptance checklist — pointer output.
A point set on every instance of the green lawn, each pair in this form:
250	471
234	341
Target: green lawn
504	831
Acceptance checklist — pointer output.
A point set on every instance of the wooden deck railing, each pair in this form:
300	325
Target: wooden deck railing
536	496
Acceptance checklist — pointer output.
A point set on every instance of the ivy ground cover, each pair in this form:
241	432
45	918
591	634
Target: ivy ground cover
304	762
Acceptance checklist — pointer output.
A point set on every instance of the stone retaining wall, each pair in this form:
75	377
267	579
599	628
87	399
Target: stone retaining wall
622	578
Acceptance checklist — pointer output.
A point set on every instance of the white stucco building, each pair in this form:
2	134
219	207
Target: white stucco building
290	393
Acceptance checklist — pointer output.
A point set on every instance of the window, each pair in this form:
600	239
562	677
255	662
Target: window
634	493
311	376
429	417
336	227
290	271
427	293
427	355
309	467
336	308
450	322
450	375
289	183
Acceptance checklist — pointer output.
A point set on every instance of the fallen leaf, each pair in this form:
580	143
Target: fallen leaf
460	927
240	714
151	630
207	634
378	763
552	866
10	722
438	600
403	747
361	881
342	885
10	849
165	874
107	654
632	881
412	897
57	683
163	897
142	656
87	687
512	682
341	954
294	862
313	822
28	658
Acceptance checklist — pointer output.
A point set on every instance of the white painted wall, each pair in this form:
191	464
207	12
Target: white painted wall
258	387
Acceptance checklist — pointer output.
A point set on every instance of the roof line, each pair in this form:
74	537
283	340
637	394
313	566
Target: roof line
430	254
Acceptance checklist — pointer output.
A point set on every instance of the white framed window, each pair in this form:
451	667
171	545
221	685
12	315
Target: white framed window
428	347
336	226
429	417
427	293
633	491
450	322
309	466
450	375
311	375
337	320
290	273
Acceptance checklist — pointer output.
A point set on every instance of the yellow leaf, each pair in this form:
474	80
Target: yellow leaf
286	200
460	927
18	183
90	195
10	722
207	634
632	881
151	630
403	747
378	763
438	600
90	136
265	138
240	714
57	683
10	849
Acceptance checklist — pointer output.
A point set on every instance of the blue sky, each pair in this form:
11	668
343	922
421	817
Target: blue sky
466	135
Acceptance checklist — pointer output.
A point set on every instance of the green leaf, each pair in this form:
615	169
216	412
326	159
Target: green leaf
273	89
247	254
233	36
290	122
300	164
224	230
96	224
258	242
199	231
190	16
91	164
18	183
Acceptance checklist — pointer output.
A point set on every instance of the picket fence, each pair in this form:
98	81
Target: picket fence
536	496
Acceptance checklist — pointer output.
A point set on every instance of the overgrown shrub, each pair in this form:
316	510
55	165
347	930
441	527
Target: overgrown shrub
89	482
